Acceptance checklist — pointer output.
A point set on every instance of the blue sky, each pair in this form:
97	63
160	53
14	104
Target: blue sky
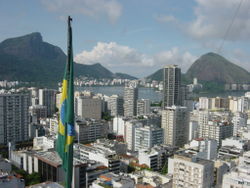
135	36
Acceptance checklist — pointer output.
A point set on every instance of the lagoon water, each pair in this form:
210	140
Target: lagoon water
144	93
149	93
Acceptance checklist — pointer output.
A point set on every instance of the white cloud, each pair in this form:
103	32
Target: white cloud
213	17
111	9
113	55
174	56
119	58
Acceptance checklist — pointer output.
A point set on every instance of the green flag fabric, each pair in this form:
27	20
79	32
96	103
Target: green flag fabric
66	132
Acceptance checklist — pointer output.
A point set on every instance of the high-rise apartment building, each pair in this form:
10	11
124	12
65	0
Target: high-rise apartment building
115	105
239	120
175	123
143	107
193	130
217	130
90	131
205	103
89	107
129	136
130	99
147	137
171	85
38	111
47	97
14	117
203	118
191	171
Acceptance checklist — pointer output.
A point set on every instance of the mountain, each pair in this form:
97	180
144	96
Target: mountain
212	67
124	76
28	58
158	75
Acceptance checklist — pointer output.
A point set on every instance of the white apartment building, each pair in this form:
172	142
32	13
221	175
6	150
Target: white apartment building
89	131
204	103
237	142
88	107
143	107
44	143
190	171
243	104
130	99
106	156
238	121
119	126
115	105
156	157
193	130
206	148
130	127
175	123
203	118
216	130
239	176
58	100
233	104
147	136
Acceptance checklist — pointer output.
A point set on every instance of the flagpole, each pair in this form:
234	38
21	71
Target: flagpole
66	132
70	110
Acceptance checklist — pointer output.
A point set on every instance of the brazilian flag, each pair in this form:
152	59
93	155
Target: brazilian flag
66	132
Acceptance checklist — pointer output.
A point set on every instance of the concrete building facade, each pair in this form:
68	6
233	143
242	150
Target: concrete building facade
175	123
190	171
14	117
130	99
171	85
147	137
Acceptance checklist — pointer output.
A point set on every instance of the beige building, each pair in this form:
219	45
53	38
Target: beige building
191	172
88	107
239	176
143	107
115	105
175	123
129	137
217	130
130	99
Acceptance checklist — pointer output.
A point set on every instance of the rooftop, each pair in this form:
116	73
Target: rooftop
47	185
191	157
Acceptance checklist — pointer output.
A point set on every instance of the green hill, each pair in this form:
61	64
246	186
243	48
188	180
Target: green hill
124	76
28	58
212	67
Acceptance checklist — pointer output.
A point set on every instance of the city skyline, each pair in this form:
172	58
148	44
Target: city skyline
123	37
159	132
